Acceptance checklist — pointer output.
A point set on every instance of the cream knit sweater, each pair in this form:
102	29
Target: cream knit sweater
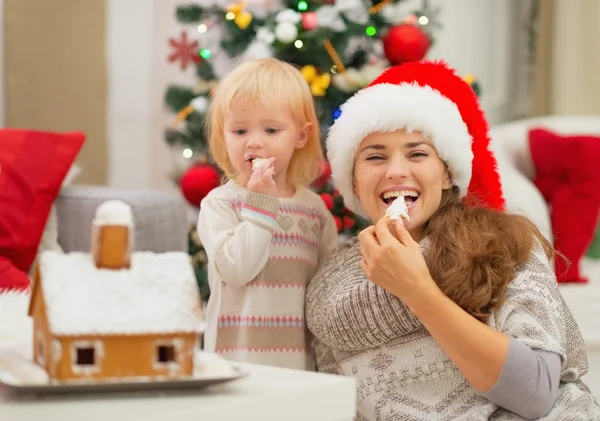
403	374
262	251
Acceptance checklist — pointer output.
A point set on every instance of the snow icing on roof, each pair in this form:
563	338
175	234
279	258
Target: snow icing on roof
113	212
158	294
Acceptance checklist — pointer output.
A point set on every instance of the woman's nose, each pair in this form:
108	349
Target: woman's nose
397	169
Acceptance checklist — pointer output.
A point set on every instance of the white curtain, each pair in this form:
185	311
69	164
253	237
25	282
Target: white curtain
567	69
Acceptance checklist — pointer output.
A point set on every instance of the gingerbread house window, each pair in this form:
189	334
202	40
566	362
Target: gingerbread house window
85	356
165	354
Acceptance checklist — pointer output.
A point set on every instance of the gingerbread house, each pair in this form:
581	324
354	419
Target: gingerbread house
114	313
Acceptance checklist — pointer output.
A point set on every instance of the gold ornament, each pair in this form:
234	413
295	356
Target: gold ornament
469	79
241	18
377	8
318	83
337	61
183	114
204	86
196	238
236	8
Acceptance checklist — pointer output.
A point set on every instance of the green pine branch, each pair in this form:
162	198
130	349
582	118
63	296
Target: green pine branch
178	97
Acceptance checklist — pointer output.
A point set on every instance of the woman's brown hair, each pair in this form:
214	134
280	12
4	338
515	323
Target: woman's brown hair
475	252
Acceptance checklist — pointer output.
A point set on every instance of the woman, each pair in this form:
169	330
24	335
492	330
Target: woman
454	314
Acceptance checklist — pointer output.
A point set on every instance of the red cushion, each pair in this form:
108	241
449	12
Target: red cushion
33	165
568	175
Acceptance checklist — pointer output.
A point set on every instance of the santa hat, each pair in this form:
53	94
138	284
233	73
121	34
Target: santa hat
420	96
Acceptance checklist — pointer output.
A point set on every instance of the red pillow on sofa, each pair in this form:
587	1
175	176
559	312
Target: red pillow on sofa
568	176
33	165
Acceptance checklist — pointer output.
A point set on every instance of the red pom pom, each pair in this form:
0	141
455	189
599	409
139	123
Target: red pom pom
198	181
338	223
404	43
328	200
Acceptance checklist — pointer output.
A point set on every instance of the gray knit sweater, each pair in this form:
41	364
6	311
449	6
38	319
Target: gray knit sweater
403	374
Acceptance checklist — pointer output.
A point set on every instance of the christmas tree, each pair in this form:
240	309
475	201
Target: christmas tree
340	46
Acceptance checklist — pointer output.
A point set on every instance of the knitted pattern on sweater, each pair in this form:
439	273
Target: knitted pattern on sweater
403	374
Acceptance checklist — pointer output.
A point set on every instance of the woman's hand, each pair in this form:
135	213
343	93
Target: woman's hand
395	264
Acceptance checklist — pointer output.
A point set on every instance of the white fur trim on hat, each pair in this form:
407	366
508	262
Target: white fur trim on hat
387	108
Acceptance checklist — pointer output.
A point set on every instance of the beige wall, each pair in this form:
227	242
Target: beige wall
56	77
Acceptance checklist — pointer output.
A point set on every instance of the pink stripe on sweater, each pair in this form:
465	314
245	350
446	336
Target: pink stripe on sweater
259	211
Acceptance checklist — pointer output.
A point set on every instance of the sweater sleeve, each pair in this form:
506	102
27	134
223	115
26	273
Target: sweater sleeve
239	249
528	382
329	237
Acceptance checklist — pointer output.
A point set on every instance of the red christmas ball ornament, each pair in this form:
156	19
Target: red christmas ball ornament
198	181
309	20
338	223
404	43
349	222
324	175
328	200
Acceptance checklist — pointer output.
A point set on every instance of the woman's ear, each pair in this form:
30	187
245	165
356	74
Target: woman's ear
447	181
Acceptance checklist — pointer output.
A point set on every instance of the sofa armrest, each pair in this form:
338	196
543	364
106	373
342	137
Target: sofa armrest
160	218
511	139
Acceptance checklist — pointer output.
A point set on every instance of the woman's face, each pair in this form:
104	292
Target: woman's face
392	164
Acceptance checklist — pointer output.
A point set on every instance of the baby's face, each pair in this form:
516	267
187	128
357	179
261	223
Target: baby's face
258	132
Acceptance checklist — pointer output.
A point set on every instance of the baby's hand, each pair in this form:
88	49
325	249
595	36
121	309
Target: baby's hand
261	181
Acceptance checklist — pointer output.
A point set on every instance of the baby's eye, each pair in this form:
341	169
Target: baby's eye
240	131
271	131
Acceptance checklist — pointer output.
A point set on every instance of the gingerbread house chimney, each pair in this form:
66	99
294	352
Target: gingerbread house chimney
112	235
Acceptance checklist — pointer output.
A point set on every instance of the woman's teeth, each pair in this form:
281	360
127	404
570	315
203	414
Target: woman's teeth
409	195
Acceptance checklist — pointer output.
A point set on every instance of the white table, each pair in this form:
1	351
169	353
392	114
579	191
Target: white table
267	394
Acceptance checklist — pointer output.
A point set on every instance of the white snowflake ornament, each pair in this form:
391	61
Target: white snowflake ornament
288	15
286	32
265	35
329	17
200	104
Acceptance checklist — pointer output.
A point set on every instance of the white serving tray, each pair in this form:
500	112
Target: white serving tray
19	375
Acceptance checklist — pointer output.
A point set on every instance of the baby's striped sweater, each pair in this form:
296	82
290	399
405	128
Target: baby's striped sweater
262	252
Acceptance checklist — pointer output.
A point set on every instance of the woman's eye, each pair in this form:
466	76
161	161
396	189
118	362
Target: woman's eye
374	157
419	155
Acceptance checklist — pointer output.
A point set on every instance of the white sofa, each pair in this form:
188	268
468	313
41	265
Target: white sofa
511	146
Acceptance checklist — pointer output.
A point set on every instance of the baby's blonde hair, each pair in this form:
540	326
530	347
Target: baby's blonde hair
272	83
